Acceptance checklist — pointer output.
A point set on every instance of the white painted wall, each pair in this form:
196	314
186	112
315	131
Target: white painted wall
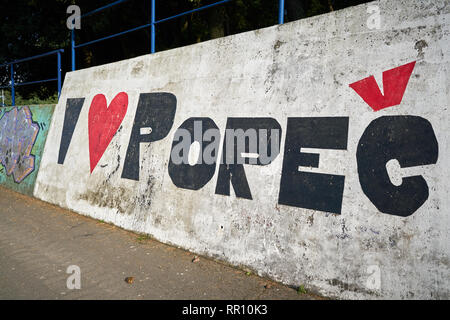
300	69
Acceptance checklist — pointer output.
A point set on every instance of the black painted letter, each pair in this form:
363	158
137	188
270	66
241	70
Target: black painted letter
73	109
155	113
308	190
266	134
196	176
411	141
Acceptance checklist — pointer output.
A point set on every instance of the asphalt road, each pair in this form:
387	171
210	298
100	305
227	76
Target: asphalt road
39	241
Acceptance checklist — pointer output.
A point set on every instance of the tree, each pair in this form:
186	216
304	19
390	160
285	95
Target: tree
31	27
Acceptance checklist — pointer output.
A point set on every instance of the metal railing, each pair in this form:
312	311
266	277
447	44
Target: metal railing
12	85
151	25
281	12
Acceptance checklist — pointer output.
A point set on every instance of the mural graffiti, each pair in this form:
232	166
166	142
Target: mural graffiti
408	139
18	134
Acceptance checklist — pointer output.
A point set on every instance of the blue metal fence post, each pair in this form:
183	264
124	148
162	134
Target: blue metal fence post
13	94
281	12
72	41
152	49
59	73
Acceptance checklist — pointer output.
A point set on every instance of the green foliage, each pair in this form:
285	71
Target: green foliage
316	7
31	99
143	237
31	27
302	290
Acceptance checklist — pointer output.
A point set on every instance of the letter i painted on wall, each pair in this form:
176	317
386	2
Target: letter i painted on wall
73	109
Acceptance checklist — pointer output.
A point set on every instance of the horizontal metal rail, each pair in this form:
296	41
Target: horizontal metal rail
13	84
152	25
34	82
33	57
112	36
103	8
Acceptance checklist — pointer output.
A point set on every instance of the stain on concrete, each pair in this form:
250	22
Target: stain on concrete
108	196
420	46
137	69
277	45
345	286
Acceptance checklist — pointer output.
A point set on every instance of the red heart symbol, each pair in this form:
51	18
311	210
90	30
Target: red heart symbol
103	123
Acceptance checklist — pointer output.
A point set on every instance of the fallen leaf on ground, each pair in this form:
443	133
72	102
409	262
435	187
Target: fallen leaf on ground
129	280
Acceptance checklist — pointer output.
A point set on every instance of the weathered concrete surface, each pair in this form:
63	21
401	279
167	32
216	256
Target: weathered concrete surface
362	247
38	242
23	131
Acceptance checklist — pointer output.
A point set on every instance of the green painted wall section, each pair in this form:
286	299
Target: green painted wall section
41	116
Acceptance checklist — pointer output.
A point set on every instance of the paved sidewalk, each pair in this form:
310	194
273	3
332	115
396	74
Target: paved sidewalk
38	241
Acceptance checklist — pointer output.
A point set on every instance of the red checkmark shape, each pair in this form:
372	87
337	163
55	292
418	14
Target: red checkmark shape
394	84
103	123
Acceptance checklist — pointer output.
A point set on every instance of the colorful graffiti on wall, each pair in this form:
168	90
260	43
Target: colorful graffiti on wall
23	131
17	136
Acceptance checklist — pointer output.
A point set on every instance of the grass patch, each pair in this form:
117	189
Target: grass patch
143	237
302	290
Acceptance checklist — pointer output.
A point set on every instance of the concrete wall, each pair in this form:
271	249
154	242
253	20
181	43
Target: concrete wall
23	131
355	205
